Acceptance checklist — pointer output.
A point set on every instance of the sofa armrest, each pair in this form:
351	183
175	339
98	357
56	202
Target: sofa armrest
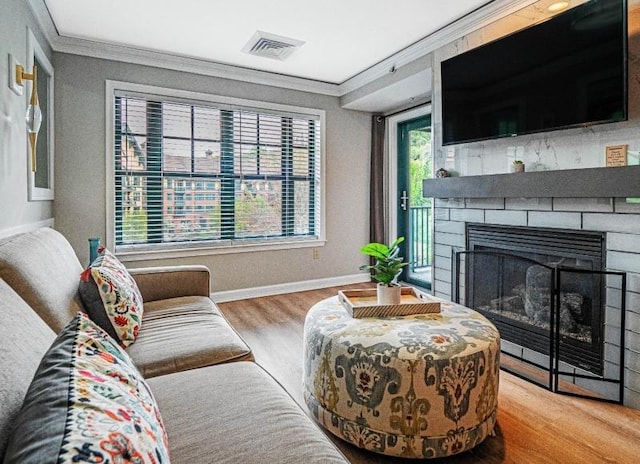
159	283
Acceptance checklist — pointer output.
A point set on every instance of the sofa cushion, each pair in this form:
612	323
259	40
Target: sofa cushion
185	333
24	338
87	403
111	298
254	419
43	269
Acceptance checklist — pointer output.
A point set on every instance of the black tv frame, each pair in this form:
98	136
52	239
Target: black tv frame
453	140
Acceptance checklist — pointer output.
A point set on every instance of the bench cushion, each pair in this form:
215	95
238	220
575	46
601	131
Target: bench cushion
185	333
242	415
24	338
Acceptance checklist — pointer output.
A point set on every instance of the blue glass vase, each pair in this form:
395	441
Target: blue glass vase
94	243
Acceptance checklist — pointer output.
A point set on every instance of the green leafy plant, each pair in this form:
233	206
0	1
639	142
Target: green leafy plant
388	265
517	162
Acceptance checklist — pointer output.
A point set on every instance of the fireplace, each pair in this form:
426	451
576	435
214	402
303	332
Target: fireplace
510	277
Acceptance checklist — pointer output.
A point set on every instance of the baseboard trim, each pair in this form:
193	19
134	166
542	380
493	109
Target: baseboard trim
268	290
25	228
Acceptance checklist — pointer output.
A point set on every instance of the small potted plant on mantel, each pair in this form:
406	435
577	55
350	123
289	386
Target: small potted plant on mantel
386	269
518	166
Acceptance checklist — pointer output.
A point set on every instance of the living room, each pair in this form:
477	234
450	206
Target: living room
82	201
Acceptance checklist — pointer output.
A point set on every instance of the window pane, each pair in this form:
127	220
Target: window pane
134	209
300	162
300	133
258	209
270	161
245	159
176	155
207	157
270	130
245	127
191	210
206	124
133	153
176	120
301	205
134	116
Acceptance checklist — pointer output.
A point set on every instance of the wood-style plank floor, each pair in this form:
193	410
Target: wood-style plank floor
534	425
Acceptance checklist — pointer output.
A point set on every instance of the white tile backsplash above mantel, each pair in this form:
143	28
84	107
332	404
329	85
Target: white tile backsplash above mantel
614	216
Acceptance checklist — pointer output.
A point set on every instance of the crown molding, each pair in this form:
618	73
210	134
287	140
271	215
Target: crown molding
125	54
482	16
191	65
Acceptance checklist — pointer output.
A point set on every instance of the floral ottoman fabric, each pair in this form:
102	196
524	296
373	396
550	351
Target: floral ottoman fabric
423	386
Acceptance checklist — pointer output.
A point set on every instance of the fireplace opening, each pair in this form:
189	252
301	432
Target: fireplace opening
509	279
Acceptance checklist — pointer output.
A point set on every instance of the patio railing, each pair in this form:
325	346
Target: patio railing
420	223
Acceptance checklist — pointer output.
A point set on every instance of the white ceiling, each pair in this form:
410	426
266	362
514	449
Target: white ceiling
342	37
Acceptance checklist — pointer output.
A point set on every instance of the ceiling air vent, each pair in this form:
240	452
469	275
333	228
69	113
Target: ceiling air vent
271	46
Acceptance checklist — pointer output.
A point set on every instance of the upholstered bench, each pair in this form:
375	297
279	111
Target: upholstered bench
423	386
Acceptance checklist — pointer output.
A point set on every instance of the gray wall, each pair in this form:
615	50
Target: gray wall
16	211
80	171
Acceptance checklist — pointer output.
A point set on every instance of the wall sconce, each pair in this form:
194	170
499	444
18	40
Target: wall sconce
33	117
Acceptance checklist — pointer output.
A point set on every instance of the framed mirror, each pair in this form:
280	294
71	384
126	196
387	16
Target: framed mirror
41	179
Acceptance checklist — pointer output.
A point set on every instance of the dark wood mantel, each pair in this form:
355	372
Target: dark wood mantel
570	183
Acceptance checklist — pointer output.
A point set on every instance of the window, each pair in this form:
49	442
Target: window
203	173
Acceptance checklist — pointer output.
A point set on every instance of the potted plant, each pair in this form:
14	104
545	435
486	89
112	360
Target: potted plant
386	269
518	166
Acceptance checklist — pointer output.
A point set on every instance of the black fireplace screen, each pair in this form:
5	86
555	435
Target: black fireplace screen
544	289
517	294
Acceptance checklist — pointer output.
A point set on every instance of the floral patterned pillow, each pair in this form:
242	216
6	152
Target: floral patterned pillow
111	297
87	403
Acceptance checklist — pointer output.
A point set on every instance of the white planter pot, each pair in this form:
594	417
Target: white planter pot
389	295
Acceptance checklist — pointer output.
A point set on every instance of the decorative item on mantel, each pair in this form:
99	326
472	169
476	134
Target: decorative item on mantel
518	166
616	155
386	269
442	172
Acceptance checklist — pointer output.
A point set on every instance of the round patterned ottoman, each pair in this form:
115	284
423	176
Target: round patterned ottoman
423	386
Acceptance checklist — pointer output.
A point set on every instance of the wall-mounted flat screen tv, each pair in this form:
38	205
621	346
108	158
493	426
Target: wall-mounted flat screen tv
568	71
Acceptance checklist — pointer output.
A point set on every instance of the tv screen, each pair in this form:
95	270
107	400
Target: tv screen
567	71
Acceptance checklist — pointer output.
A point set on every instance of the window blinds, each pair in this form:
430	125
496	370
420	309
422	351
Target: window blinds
188	172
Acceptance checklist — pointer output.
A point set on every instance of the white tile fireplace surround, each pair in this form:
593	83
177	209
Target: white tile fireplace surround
616	217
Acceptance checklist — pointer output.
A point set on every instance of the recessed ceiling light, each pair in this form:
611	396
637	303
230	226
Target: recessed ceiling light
557	6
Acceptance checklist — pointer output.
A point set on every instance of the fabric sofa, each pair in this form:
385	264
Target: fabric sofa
182	329
217	405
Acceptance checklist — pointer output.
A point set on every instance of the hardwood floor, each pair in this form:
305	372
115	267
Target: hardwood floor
534	425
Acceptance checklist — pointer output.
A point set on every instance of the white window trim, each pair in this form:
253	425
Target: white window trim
179	250
34	49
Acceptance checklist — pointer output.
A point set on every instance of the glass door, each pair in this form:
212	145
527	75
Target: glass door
415	212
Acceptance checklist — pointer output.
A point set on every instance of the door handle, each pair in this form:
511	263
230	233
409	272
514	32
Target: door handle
403	200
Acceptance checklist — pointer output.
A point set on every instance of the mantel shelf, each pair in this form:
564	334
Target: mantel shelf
570	183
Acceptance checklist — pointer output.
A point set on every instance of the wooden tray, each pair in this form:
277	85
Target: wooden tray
364	303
